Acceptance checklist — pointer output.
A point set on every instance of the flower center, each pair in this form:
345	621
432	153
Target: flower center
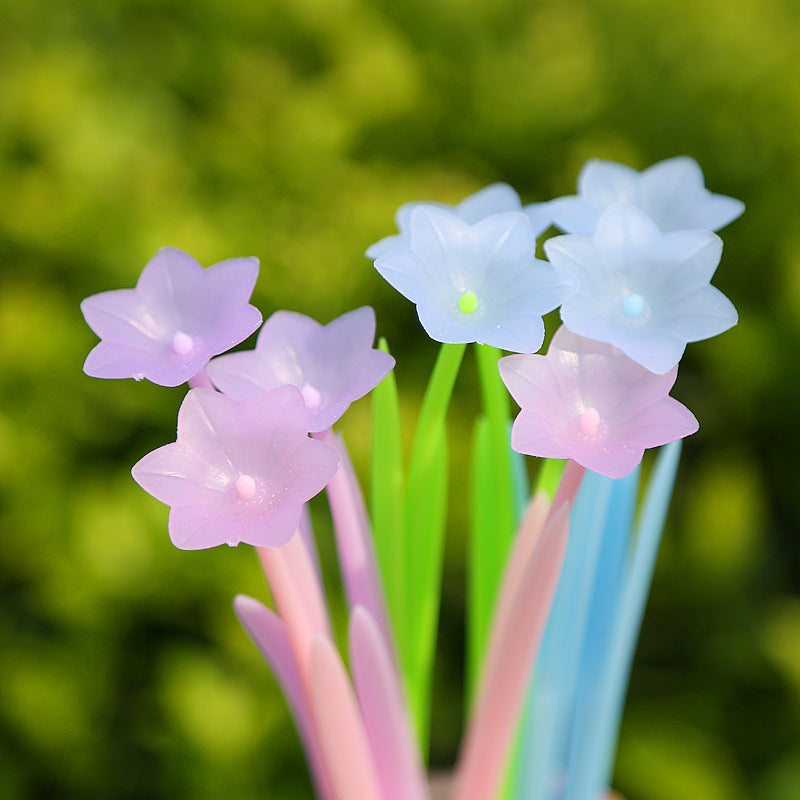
182	343
245	486
311	396
634	305
589	421
468	302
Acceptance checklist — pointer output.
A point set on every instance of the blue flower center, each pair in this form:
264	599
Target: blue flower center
634	305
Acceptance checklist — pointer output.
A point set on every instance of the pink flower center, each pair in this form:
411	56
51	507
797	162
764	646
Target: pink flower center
245	486
182	343
312	396
589	421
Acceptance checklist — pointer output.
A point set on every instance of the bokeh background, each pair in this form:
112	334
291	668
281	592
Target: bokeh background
291	130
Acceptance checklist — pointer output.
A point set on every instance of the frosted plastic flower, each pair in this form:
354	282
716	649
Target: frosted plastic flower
672	193
177	318
237	473
476	283
333	365
498	198
645	291
587	401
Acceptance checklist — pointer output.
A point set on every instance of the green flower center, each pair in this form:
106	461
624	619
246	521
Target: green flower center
468	302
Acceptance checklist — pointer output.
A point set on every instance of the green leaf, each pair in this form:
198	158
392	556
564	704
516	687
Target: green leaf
426	516
549	476
479	584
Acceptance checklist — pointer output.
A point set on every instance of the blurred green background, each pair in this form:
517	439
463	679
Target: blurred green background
291	130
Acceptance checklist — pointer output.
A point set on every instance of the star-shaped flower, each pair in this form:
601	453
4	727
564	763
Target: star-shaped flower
237	473
476	283
333	365
498	198
644	291
177	318
587	401
672	193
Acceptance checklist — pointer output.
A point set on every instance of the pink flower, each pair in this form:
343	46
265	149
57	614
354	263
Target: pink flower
237	473
333	365
588	401
177	318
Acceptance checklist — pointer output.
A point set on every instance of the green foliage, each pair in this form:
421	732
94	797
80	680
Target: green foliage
292	131
493	520
409	520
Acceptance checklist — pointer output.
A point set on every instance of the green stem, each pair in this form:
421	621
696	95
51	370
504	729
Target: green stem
425	523
493	510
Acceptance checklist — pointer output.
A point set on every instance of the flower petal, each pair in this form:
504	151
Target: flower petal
671	192
606	182
169	279
498	198
587	401
178	316
238	473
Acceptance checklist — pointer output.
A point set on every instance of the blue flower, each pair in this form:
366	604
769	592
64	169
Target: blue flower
672	193
498	198
475	283
641	290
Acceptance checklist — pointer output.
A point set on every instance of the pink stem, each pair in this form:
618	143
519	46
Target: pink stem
568	486
359	566
527	538
523	608
269	634
491	731
298	596
341	729
200	380
307	534
389	729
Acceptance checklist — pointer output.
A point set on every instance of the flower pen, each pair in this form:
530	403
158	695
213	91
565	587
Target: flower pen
558	573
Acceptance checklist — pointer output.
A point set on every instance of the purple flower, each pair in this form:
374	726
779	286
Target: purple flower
476	283
642	290
498	198
587	401
672	193
237	473
333	365
177	318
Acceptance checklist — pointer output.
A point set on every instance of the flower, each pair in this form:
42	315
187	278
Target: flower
237	473
671	192
333	365
498	198
587	401
475	283
642	290
177	317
